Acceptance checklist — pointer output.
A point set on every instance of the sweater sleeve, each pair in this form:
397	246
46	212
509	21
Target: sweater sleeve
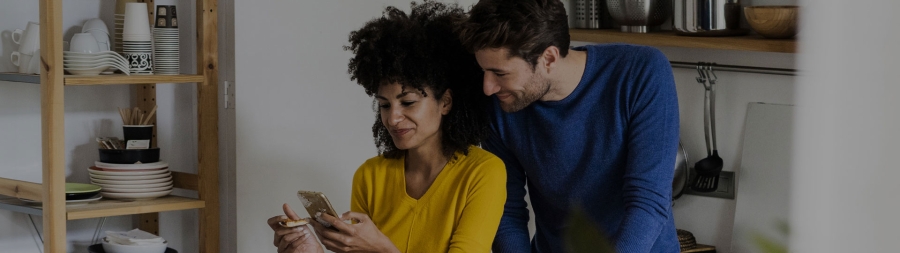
652	141
512	235
483	209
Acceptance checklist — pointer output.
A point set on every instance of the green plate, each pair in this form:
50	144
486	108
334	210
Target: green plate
81	188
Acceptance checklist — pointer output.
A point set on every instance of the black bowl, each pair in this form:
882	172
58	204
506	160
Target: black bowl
98	248
129	156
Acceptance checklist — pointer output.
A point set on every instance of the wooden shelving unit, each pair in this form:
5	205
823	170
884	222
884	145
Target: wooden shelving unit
670	39
53	81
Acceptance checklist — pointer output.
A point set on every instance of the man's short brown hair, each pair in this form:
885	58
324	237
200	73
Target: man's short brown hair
525	27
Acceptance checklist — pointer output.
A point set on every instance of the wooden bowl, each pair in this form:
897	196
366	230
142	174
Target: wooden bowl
774	22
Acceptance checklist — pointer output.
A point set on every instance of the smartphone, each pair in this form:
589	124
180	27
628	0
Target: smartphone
317	203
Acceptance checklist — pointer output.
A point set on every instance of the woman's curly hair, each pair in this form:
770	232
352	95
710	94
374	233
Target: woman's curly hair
422	50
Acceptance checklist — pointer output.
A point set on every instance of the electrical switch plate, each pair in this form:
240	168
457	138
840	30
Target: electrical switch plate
725	190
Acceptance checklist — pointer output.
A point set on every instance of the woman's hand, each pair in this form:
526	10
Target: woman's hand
296	239
360	237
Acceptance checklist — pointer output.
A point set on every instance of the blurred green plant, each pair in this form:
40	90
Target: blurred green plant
581	235
770	245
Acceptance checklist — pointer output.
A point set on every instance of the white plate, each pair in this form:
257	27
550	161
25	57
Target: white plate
82	202
135	196
130	177
139	166
91	72
127	182
79	202
134	186
138	190
127	173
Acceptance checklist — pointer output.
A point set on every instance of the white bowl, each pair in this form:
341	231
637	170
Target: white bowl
85	43
96	171
141	166
116	248
94	24
135	196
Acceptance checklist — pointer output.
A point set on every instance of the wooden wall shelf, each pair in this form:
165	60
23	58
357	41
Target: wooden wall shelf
106	79
669	39
108	207
123	79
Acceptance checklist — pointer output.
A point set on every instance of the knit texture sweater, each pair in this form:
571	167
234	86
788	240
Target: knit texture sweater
608	148
459	212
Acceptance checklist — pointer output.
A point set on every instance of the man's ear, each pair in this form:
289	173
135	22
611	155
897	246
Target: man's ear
550	58
446	102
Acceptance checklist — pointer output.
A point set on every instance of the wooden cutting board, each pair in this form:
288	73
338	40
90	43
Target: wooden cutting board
764	178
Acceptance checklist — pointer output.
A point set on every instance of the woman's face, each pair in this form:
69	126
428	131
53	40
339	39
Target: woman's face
413	120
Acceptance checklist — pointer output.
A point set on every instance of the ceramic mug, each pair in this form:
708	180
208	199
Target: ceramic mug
34	65
28	40
23	61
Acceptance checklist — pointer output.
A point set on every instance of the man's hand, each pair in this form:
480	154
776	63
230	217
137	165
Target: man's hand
293	240
362	236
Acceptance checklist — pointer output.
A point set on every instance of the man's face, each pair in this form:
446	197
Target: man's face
512	79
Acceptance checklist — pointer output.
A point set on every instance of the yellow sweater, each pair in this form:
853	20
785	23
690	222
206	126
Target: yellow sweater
460	212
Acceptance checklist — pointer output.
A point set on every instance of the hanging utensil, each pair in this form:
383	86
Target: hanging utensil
682	172
708	168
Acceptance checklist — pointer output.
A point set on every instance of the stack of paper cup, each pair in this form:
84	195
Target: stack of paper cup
165	41
120	24
136	41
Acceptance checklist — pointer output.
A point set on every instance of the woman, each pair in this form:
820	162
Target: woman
430	189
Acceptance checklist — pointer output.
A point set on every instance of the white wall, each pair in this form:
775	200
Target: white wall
846	169
303	125
91	113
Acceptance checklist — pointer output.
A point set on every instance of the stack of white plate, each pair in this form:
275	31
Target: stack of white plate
132	181
165	51
79	63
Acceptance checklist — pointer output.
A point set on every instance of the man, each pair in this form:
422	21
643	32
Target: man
594	128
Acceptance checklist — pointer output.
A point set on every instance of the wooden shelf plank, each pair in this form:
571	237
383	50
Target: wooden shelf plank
106	79
132	79
20	78
669	39
106	208
20	189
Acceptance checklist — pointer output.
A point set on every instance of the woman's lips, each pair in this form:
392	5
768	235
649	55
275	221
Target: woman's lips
399	132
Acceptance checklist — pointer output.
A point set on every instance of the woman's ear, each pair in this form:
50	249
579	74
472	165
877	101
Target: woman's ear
446	102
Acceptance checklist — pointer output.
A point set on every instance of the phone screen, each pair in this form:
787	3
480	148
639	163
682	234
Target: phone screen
317	203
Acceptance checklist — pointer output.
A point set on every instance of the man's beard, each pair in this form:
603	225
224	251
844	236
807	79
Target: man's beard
536	88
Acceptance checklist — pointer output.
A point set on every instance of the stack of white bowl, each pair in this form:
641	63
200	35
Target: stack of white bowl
165	41
85	57
134	241
136	40
132	181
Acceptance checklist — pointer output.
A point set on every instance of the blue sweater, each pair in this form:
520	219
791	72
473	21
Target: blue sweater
609	148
